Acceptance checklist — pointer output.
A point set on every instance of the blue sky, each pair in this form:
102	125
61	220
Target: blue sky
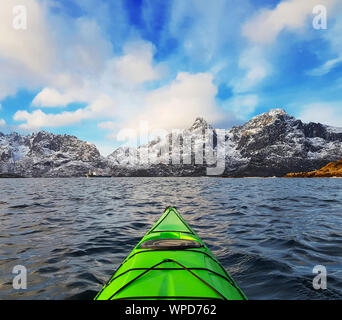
98	69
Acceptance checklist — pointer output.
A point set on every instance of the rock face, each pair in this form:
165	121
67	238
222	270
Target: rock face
271	144
180	153
275	143
48	155
332	169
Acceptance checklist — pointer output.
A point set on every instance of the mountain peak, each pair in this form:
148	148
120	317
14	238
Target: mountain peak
200	123
273	113
278	111
267	118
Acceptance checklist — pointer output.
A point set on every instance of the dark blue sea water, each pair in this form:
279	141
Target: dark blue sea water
71	234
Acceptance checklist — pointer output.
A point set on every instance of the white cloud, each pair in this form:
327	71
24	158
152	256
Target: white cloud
77	64
2	122
32	49
50	97
73	61
103	106
177	104
329	113
136	65
243	105
257	68
54	51
23	52
120	80
287	15
326	67
117	85
107	125
334	49
39	119
200	42
206	30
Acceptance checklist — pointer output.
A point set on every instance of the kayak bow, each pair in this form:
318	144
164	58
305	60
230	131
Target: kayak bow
171	262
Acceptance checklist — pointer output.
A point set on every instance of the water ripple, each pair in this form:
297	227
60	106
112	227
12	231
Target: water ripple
72	234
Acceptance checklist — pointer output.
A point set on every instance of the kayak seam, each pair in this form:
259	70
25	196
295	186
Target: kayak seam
186	250
228	277
195	275
171	231
225	275
190	250
128	283
182	269
165	261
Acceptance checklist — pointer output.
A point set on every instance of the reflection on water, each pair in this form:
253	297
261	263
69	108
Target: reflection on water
71	234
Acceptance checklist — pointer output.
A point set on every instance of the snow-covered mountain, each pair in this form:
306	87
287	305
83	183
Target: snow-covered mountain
275	143
271	144
177	154
47	154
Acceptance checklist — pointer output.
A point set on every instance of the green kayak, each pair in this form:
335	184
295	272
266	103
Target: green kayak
171	262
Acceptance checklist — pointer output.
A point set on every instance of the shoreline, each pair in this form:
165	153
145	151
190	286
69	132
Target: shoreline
7	176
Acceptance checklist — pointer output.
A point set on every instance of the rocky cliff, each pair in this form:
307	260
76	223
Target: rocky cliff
275	143
49	155
271	144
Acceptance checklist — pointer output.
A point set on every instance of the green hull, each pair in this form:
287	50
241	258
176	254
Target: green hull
171	262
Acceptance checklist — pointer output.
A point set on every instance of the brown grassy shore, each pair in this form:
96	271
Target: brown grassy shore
332	169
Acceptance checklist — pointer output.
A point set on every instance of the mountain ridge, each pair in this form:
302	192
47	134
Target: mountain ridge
273	143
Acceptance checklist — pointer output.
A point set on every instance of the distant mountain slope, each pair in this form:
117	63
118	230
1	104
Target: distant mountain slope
47	154
160	157
271	144
276	143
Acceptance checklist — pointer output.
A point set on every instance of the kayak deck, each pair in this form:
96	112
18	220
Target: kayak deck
171	262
